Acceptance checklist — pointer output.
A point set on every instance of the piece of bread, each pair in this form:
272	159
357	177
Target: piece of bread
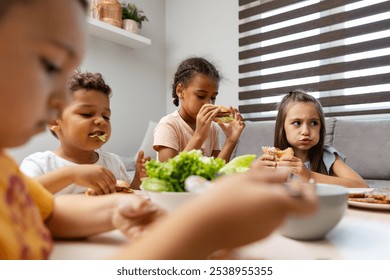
379	195
370	200
357	195
278	153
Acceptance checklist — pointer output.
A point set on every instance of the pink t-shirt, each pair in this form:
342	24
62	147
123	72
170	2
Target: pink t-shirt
173	132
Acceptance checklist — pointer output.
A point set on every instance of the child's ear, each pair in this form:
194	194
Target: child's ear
179	90
53	125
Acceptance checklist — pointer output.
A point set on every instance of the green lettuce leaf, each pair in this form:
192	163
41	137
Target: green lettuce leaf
156	185
175	170
239	164
225	119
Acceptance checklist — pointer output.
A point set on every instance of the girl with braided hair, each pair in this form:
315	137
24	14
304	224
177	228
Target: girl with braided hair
194	124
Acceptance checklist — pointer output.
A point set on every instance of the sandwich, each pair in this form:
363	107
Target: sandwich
120	186
278	153
224	115
123	186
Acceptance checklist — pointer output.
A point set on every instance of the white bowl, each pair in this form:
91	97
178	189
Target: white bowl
333	201
171	200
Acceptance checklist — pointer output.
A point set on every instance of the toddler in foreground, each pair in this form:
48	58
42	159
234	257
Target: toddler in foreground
43	57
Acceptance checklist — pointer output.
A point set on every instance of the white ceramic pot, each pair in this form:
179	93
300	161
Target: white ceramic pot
130	25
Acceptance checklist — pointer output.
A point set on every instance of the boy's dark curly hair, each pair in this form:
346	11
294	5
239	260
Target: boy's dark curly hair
188	69
89	81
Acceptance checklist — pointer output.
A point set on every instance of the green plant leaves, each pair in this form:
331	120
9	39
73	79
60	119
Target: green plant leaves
131	11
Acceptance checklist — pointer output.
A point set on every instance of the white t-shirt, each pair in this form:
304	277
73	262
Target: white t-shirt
173	132
43	162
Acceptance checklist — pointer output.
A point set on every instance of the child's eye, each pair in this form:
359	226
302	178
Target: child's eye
86	115
213	100
296	123
50	67
106	118
314	123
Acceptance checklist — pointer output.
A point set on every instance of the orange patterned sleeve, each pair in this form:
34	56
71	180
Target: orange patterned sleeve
42	197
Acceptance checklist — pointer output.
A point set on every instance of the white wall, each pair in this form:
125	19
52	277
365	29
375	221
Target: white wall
137	77
141	79
207	28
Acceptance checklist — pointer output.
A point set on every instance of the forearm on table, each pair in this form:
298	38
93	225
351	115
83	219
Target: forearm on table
80	216
167	240
183	235
346	182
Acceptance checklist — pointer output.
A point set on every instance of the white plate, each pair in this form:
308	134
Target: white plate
369	205
365	204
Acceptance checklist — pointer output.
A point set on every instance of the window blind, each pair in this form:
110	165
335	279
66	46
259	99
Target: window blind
337	50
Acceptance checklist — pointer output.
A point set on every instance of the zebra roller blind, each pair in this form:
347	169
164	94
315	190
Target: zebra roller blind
337	50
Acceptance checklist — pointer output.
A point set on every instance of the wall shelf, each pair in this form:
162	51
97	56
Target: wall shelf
117	35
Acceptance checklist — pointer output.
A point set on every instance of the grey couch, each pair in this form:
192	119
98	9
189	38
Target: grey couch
365	142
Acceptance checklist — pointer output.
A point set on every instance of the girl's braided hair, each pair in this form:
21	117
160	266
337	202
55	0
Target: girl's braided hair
188	69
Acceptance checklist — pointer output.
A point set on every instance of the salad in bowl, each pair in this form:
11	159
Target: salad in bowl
166	181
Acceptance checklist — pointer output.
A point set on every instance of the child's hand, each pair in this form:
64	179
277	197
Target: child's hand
259	205
204	118
233	129
297	166
140	170
100	179
134	214
266	160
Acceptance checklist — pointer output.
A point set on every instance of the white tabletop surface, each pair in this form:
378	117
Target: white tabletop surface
361	234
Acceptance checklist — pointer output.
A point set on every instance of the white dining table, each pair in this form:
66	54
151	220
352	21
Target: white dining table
361	234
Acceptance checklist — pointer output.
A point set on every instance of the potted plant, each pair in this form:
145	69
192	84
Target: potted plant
132	17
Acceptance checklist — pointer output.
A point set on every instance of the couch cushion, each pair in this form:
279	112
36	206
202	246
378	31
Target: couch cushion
366	145
147	142
329	127
254	136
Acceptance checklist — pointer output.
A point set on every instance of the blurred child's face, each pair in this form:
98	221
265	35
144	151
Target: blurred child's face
302	125
87	114
199	91
42	42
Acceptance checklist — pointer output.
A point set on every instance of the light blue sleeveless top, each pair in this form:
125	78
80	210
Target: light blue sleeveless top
329	157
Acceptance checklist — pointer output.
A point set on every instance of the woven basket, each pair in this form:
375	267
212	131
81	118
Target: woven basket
110	11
